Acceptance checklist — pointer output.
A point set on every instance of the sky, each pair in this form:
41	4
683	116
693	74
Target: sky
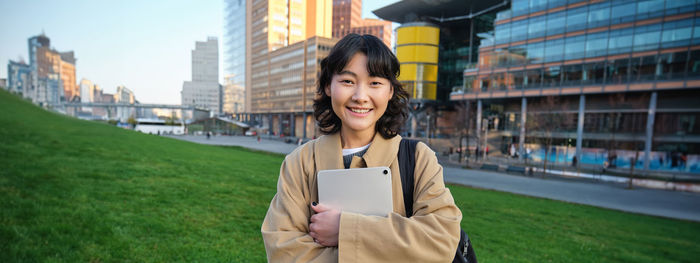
143	45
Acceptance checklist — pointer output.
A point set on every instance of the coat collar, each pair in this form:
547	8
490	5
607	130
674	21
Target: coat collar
381	152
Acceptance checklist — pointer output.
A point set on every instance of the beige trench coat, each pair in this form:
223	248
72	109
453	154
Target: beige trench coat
430	235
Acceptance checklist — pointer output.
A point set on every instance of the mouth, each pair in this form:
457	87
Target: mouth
359	111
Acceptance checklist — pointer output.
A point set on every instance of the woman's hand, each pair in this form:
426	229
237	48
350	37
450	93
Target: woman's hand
325	225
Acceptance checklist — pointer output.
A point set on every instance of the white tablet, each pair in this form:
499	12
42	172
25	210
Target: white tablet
359	190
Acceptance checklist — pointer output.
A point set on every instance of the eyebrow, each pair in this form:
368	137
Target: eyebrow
347	72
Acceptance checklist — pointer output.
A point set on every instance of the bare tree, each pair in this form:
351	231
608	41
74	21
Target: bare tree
548	118
463	125
618	123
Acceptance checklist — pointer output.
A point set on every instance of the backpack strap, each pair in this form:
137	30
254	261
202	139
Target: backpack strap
407	163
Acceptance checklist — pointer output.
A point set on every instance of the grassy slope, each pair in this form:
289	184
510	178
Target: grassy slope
74	190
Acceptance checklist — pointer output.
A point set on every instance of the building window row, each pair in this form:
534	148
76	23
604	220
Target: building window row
590	16
619	10
643	38
667	66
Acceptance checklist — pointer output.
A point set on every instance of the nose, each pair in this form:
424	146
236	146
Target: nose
360	95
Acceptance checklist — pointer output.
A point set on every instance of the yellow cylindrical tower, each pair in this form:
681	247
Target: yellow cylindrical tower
417	51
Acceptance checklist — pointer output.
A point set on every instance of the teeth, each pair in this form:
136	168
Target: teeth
359	110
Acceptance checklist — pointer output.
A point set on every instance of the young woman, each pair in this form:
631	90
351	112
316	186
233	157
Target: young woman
360	107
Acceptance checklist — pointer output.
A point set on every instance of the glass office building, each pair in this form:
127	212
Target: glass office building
234	45
591	82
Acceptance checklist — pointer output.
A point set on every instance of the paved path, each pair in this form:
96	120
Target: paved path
679	205
249	142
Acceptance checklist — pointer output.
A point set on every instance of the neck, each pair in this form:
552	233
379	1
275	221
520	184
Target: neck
355	139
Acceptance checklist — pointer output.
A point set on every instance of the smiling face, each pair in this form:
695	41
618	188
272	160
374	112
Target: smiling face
358	99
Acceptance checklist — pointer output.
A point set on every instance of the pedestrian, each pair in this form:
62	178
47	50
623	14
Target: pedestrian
360	107
258	138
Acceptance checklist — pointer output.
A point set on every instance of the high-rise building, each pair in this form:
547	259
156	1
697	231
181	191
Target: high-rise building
233	95
286	101
124	96
19	78
87	91
279	33
49	78
585	83
347	19
204	90
234	47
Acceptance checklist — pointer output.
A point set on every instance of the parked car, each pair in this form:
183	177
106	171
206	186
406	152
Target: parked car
250	133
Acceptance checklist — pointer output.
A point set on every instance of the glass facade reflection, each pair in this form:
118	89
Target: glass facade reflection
234	42
630	69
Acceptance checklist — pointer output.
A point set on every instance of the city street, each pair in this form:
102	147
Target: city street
671	204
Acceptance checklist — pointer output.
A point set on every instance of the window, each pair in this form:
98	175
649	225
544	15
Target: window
535	53
502	33
572	74
643	68
537	5
574	48
649	9
596	44
554	50
622	13
576	19
672	65
620	41
536	28
552	76
519	31
599	15
617	71
694	64
593	73
533	78
518	79
676	33
678	6
647	37
520	7
556	23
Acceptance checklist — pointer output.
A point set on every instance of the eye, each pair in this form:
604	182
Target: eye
376	83
346	81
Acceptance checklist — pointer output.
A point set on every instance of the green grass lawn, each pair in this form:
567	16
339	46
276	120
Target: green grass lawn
79	191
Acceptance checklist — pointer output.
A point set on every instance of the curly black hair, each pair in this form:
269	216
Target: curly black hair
381	62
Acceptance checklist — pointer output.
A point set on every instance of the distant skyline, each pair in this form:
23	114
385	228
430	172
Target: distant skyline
143	45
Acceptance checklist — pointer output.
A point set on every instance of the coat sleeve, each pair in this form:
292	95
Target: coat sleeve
285	229
430	235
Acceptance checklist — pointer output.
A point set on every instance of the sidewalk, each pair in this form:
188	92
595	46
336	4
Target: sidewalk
671	204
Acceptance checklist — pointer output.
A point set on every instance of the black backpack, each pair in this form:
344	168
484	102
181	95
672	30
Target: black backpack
407	162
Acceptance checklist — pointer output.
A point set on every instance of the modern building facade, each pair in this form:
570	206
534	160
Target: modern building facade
285	103
233	95
434	44
591	82
283	36
49	78
347	19
204	90
19	78
234	47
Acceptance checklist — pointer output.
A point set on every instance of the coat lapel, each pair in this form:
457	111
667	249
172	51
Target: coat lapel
382	151
328	152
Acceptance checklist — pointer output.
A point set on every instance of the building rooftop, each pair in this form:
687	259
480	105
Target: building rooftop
426	10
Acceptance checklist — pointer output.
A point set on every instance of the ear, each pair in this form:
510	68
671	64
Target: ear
327	89
391	92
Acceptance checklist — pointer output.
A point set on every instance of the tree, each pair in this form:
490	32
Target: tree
548	118
464	124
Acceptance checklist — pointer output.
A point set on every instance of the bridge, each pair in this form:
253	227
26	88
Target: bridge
123	111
